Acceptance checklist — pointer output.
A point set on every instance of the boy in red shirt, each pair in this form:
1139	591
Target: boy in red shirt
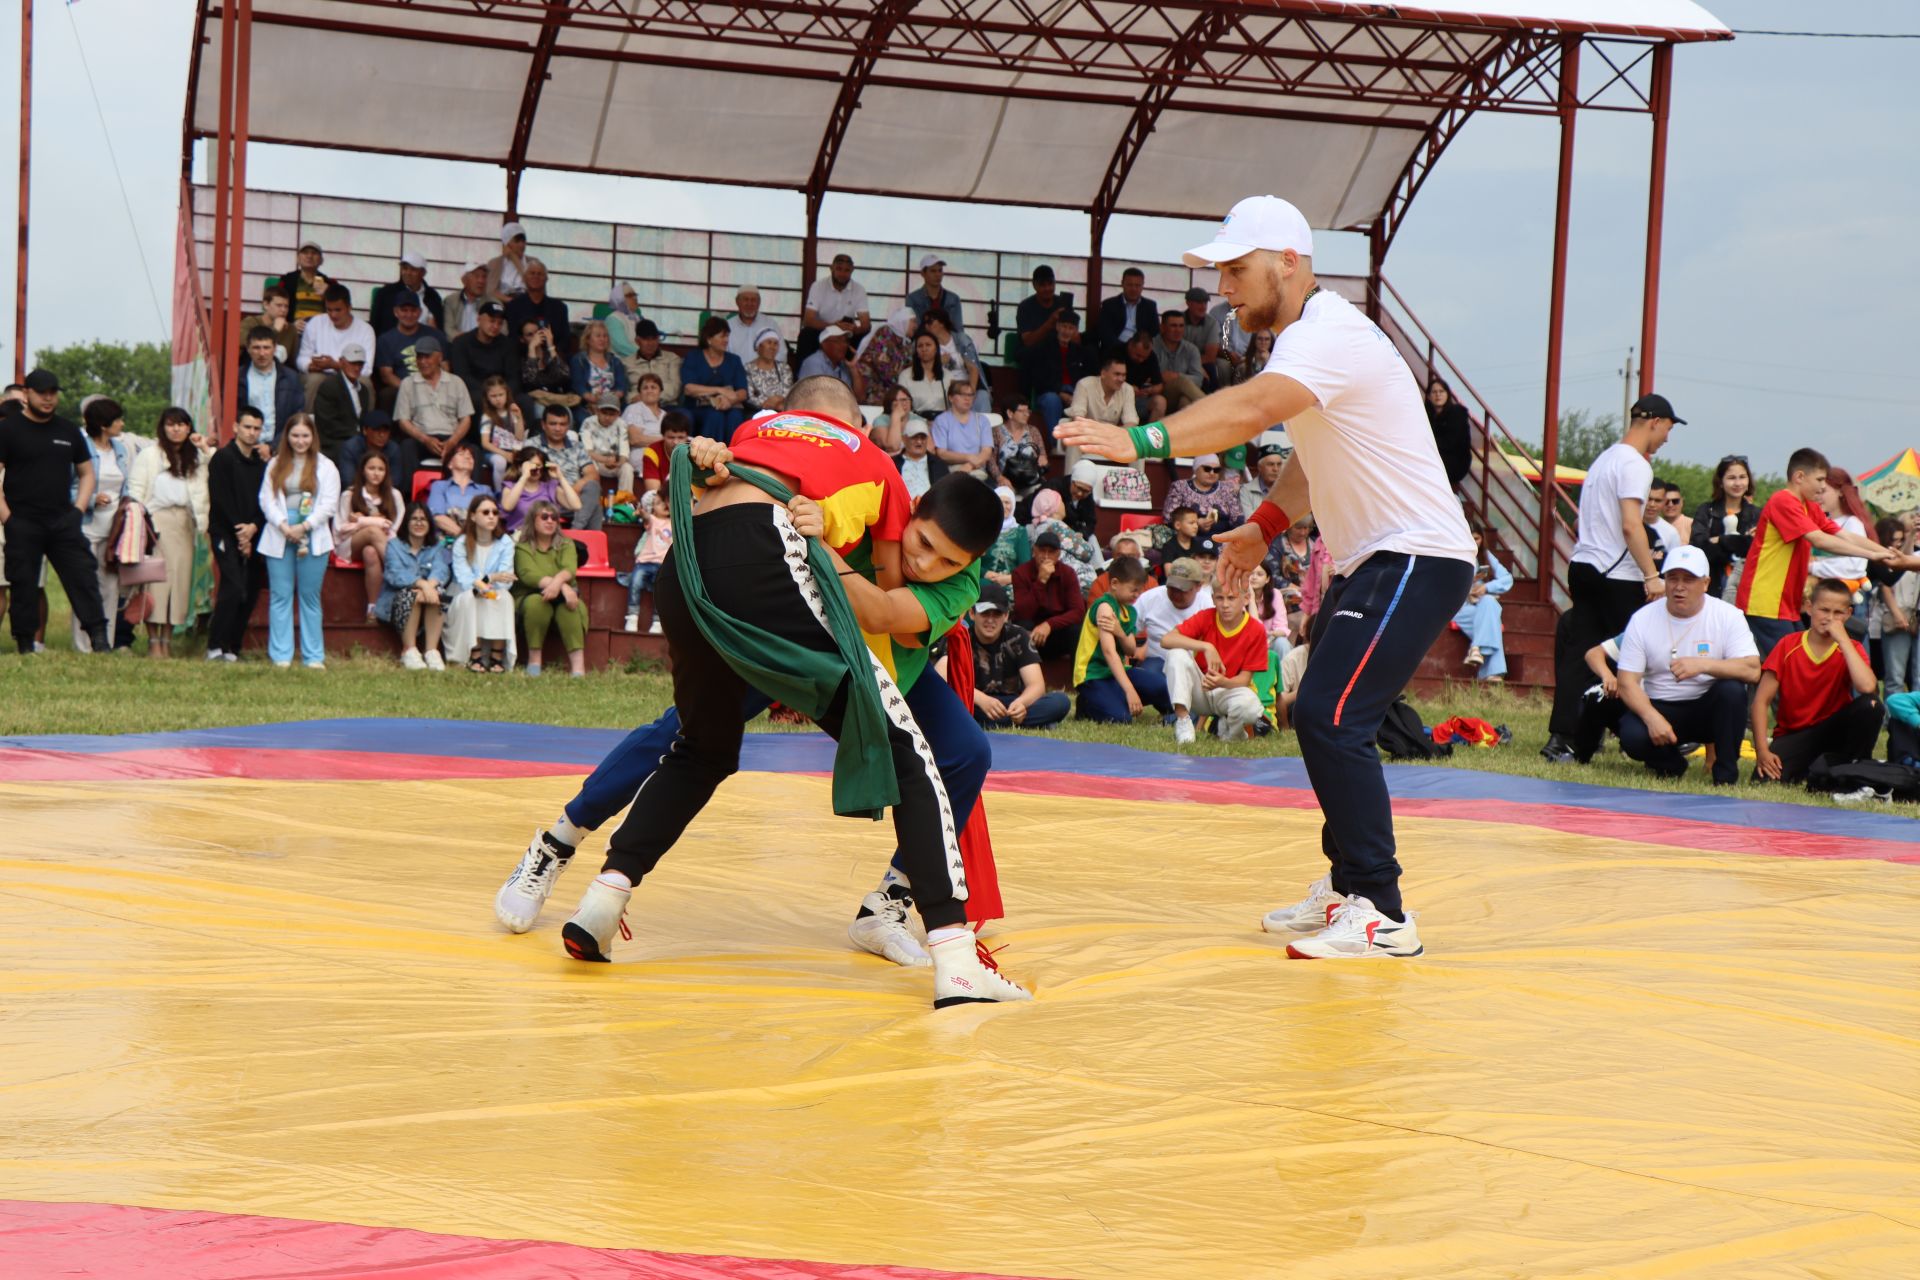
675	427
1233	649
1791	525
1825	689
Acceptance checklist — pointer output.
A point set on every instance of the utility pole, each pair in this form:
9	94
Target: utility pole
1626	391
26	170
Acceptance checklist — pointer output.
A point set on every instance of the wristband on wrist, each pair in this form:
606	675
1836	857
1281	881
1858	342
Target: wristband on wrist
1151	440
1272	520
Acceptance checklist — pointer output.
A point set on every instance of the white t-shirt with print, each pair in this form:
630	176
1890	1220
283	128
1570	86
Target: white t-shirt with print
1368	451
1654	638
1158	615
1622	472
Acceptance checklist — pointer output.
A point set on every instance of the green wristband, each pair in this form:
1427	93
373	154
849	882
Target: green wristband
1151	440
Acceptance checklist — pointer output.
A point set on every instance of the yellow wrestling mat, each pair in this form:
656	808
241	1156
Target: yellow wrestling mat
291	999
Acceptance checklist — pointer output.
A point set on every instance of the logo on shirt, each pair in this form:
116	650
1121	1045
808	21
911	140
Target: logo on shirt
792	426
1349	613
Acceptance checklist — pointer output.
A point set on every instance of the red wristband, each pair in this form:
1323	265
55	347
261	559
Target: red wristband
1271	519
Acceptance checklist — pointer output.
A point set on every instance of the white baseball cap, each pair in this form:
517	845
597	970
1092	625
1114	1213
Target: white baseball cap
1690	558
472	267
834	331
932	260
415	260
511	232
1258	222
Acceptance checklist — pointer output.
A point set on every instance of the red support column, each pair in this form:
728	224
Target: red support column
1656	201
26	167
1096	268
218	359
1376	257
1556	310
810	250
237	224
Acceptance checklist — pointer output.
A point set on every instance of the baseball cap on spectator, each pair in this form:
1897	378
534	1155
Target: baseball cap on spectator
427	346
646	329
1186	574
1206	547
472	267
417	261
915	428
608	400
407	299
932	260
376	420
491	308
42	381
1197	294
1085	472
1049	538
833	331
311	243
1258	222
1654	406
354	353
993	598
511	232
1690	558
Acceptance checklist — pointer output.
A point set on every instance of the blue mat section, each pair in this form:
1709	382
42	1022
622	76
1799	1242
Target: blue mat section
812	752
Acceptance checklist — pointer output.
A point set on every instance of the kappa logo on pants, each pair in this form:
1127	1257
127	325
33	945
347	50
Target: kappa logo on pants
1350	613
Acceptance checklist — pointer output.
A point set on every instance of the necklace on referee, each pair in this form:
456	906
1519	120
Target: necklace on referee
1673	643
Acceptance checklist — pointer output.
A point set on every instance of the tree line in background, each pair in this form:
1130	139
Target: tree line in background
1585	436
139	376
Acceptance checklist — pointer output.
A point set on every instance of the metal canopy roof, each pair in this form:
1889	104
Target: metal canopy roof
1171	108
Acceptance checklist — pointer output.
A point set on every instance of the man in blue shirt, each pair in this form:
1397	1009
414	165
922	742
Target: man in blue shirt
933	292
394	358
269	386
831	359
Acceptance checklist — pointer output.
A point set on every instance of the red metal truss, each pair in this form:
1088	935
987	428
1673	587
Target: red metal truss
530	100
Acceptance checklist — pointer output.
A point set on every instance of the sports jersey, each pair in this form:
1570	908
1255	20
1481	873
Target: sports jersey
946	602
1242	650
860	492
1088	662
1811	689
1776	574
653	462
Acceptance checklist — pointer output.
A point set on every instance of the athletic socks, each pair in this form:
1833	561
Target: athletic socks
615	880
937	936
566	833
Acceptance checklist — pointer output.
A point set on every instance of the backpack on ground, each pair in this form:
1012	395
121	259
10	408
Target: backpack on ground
1833	774
1403	737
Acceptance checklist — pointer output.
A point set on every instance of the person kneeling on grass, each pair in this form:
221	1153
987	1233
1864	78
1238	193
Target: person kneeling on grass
1110	691
1234	649
1825	688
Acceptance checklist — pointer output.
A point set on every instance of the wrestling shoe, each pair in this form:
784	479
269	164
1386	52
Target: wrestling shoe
883	928
1310	913
519	901
964	973
602	915
1182	730
1354	930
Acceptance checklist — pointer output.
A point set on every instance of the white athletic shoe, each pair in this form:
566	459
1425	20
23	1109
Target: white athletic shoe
602	916
653	628
964	973
215	655
526	891
632	624
412	660
883	928
1310	913
1354	930
1182	730
434	661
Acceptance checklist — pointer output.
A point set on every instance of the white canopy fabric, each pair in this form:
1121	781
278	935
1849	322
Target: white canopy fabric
997	101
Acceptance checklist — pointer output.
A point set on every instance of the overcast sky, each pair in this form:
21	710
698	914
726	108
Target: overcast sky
1790	300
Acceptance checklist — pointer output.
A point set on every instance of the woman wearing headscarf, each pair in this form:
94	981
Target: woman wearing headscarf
1015	545
768	377
885	353
623	313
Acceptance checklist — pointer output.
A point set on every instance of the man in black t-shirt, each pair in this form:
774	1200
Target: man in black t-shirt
1143	375
1008	689
233	529
46	483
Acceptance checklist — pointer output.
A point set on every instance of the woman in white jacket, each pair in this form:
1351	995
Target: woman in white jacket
299	496
170	480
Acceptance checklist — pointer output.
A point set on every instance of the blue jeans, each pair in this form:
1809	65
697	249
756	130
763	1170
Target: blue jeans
641	584
1052	408
1105	702
960	752
1048	710
1481	622
1896	661
1374	626
287	576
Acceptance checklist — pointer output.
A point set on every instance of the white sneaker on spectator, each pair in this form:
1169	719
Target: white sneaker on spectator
316	666
882	927
632	624
526	891
284	665
215	655
602	916
412	661
964	973
654	629
434	661
1183	730
1356	930
225	657
1865	795
1474	656
1310	913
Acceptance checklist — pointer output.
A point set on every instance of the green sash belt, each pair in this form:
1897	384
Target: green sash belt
805	679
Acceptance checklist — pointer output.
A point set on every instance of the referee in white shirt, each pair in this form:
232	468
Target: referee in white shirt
1403	558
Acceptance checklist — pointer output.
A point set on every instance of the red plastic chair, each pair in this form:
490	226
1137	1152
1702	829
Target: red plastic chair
1137	520
594	543
423	481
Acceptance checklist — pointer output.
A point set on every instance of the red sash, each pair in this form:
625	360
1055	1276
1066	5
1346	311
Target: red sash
976	846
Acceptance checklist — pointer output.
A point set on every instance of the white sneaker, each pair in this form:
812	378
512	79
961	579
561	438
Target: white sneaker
412	660
632	624
602	914
1310	913
882	927
654	629
526	891
215	655
1354	930
964	973
1183	730
1865	795
1475	657
225	657
434	661
316	666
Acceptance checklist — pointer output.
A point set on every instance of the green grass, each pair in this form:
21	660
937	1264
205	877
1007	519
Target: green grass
64	692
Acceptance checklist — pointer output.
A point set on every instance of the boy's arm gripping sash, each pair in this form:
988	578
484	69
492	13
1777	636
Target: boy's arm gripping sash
805	679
